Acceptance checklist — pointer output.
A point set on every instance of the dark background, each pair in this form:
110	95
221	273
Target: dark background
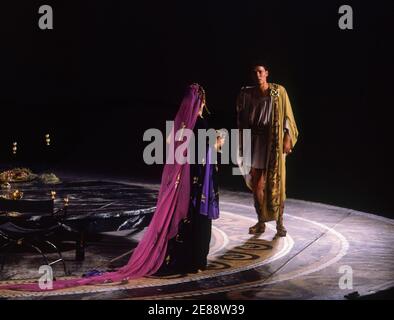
111	69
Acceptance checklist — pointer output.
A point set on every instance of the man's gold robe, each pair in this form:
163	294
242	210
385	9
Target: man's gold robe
281	117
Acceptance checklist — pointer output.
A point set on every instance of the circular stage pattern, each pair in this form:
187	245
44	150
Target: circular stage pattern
303	265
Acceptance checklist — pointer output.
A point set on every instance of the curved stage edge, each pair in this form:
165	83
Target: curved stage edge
324	244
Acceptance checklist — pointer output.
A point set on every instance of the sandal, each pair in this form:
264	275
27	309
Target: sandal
259	227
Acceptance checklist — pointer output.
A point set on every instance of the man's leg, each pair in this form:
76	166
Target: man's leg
258	184
280	228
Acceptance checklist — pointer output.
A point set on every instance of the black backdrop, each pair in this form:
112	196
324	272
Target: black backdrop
111	69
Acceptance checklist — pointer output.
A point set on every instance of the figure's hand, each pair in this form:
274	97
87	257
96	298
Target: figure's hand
220	139
287	144
219	142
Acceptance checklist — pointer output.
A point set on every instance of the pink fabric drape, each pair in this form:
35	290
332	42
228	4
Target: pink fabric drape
172	206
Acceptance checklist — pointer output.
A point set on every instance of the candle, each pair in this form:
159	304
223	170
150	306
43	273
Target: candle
47	139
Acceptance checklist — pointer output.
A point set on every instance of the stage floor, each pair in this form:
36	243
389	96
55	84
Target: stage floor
322	243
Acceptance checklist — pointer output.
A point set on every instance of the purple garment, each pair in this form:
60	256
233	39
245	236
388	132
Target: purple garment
172	206
209	207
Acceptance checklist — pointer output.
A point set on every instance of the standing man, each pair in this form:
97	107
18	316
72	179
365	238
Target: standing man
265	109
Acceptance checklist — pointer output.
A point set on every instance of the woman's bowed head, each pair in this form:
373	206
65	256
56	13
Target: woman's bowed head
181	138
220	134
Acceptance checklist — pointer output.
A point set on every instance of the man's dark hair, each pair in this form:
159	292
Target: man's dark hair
259	63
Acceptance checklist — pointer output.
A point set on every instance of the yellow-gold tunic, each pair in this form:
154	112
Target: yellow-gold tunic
281	117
